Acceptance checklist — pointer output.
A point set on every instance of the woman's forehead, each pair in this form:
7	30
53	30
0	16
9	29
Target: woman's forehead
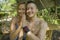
21	5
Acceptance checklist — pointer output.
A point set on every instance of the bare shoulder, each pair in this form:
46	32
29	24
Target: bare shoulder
41	20
13	20
43	23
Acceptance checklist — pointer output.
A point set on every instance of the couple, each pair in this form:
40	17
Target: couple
26	25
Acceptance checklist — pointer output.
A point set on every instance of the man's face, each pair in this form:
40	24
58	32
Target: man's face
21	9
31	9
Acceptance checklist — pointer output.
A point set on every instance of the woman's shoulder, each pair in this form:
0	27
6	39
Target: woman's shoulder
13	19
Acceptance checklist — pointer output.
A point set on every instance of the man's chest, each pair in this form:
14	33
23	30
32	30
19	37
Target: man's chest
34	27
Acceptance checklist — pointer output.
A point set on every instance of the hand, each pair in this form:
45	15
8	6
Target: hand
21	33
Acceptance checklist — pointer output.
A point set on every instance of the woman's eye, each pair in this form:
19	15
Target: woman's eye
23	9
19	9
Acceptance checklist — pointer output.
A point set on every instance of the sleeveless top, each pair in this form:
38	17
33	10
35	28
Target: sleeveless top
17	37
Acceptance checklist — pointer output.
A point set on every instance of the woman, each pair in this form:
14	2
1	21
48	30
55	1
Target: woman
16	32
35	28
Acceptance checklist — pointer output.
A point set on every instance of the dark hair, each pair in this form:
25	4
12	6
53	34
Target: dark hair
28	2
20	3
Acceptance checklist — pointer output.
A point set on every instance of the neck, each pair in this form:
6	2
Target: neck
31	19
20	18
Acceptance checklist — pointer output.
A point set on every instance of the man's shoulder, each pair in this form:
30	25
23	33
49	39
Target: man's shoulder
42	23
41	20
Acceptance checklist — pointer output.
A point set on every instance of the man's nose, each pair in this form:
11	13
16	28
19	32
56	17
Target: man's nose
20	10
29	10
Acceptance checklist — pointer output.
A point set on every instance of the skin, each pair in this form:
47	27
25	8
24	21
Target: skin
37	26
21	10
17	20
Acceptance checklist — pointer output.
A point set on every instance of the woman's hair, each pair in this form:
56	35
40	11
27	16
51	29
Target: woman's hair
20	4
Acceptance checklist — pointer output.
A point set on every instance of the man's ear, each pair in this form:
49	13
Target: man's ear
37	10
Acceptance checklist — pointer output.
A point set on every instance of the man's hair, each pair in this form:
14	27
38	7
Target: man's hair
28	2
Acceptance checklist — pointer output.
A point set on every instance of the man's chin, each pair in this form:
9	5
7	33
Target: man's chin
30	16
20	14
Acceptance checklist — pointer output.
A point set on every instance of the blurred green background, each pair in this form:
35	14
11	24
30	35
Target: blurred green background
49	10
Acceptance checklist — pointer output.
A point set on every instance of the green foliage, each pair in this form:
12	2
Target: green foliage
49	15
7	8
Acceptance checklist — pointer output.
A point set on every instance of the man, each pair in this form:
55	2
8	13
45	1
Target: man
35	28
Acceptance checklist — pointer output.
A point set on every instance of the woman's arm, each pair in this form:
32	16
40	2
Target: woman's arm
21	34
13	32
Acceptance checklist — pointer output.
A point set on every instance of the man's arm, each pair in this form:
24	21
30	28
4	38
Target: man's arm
41	34
32	36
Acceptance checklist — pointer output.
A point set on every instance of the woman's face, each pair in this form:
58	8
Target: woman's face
21	9
31	10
